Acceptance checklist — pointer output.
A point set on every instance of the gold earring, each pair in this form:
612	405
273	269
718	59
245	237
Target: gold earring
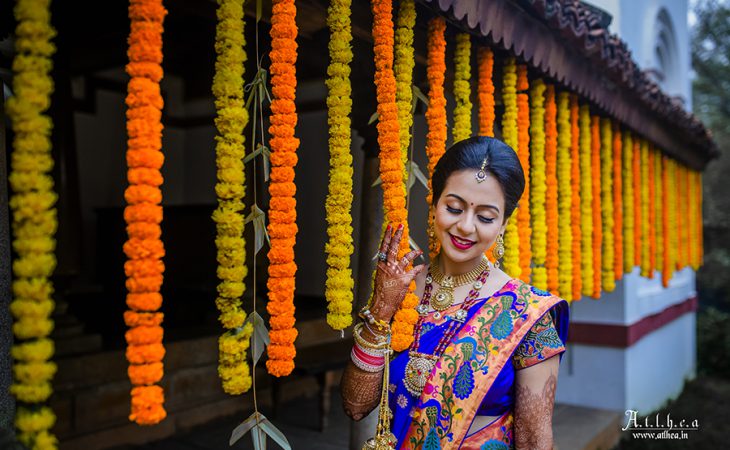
498	251
431	232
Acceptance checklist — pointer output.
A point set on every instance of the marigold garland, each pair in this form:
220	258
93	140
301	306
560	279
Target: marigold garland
586	200
656	160
618	206
551	195
391	164
700	224
691	222
681	224
636	172
644	206
282	227
403	67
510	135
523	152
34	222
143	214
666	215
651	227
538	185
628	202
338	206
485	90
232	117
462	87
608	282
436	112
597	219
575	209
565	199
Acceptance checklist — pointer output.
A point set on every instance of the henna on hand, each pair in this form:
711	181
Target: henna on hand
360	391
533	414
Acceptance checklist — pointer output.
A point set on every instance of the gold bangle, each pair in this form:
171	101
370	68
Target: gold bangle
381	325
357	334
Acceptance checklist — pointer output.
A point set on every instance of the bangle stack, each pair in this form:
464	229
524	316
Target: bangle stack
366	355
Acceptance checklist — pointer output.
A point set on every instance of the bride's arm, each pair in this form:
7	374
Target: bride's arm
534	401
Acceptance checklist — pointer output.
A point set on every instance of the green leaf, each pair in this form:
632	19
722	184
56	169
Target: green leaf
373	118
260	337
258	10
377	182
258	217
263	428
253	154
416	174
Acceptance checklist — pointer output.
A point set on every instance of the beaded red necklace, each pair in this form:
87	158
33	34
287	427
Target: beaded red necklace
419	364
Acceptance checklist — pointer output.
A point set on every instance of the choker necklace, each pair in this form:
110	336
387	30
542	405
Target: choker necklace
444	297
419	365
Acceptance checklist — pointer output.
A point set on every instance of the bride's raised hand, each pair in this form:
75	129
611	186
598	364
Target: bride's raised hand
392	277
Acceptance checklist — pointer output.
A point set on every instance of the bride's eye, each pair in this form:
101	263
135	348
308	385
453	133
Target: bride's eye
453	210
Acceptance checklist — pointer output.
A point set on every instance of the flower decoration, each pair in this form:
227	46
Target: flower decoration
608	282
282	227
485	90
143	214
658	233
462	87
538	185
575	209
636	172
628	202
510	135
551	195
565	199
403	67
618	207
524	228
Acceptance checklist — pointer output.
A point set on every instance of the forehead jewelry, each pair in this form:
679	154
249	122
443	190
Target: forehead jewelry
482	175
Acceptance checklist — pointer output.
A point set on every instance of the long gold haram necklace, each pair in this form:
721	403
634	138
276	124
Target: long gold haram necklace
420	365
444	297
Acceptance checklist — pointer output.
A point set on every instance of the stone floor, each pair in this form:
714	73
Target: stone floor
575	428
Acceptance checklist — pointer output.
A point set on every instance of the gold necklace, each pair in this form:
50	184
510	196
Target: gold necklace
445	295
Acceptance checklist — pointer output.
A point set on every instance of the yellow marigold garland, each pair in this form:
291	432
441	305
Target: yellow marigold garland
143	215
638	231
565	199
538	185
510	135
691	222
485	90
282	226
575	209
618	212
608	281
403	67
700	225
596	208
232	117
34	222
436	112
681	224
391	164
628	202
651	228
656	160
666	240
551	181
338	206
462	87
586	201
644	205
523	152
672	209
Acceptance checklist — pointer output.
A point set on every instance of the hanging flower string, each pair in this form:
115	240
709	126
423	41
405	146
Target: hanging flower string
231	119
575	208
656	160
644	205
586	199
338	206
666	241
143	215
596	208
282	226
403	67
636	173
551	195
608	282
436	112
565	199
618	213
523	151
651	229
34	221
462	88
628	202
391	164
485	90
509	132
538	186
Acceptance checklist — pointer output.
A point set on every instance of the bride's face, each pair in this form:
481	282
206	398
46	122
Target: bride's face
468	215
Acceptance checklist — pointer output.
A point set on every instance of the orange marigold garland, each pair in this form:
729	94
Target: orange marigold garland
575	212
391	164
628	202
565	199
282	226
143	214
523	151
636	172
651	228
510	135
644	205
681	224
597	219
485	90
618	213
691	225
436	112
658	226
666	241
608	281
551	195
700	225
538	186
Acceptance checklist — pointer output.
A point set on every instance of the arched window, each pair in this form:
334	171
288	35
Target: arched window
665	66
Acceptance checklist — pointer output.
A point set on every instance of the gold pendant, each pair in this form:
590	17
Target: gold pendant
442	300
417	371
387	441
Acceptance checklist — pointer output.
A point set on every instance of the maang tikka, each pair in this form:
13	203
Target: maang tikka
482	174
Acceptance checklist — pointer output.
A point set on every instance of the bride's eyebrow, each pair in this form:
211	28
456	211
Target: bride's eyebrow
478	206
